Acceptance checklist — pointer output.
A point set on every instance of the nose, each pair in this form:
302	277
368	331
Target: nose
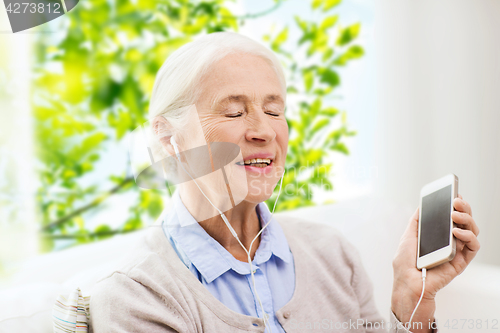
259	129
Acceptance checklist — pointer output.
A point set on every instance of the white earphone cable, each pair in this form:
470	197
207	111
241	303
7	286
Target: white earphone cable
265	316
424	274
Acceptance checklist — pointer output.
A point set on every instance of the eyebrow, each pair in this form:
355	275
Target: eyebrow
243	98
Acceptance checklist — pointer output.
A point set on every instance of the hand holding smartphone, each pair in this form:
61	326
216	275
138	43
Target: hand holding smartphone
436	243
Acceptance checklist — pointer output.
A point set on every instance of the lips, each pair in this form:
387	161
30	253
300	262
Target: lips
258	163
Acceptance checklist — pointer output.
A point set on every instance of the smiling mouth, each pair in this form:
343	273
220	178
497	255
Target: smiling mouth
256	162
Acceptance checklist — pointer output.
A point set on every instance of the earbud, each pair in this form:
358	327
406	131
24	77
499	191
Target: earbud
176	148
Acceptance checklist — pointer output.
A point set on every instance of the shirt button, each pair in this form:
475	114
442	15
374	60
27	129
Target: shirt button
286	315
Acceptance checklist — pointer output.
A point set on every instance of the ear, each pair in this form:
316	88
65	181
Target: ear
163	131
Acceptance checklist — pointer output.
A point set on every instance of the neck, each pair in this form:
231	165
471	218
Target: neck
243	218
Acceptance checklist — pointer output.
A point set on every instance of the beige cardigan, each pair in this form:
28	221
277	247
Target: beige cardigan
155	292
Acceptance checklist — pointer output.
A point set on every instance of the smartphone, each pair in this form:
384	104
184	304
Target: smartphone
436	243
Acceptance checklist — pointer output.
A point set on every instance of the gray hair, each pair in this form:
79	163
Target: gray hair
177	82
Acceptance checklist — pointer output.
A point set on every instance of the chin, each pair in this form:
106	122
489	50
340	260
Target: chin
259	191
256	199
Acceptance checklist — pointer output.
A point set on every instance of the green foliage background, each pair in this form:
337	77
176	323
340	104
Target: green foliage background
93	87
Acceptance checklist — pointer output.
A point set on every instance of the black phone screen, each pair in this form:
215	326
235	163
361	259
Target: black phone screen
435	221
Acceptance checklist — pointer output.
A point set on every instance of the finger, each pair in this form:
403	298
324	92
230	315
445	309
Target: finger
415	214
412	227
465	221
460	196
470	240
462	206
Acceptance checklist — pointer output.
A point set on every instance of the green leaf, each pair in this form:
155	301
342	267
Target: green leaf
68	174
330	77
348	34
44	113
335	135
313	156
316	3
103	229
327	54
356	51
315	107
280	39
133	224
329	111
328	22
322	170
319	125
155	207
80	222
341	147
308	79
329	4
302	24
353	52
307	37
91	142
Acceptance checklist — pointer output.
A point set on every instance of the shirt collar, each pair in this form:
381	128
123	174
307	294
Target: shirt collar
209	257
272	236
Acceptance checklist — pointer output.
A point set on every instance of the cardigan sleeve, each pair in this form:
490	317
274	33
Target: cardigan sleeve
363	287
119	304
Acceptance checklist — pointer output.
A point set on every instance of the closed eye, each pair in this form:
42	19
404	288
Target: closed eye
236	115
273	109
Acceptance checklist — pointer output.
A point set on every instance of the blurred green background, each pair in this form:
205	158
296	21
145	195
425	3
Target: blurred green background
91	87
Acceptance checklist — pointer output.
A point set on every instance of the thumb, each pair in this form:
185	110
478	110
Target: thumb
412	228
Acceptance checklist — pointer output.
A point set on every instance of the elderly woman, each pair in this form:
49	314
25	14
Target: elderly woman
194	276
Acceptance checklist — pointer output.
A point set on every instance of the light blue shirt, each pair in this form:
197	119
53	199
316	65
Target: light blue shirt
229	279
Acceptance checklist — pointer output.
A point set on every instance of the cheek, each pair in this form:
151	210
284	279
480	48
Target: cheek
282	136
221	130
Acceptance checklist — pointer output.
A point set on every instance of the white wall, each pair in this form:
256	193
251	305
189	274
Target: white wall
439	104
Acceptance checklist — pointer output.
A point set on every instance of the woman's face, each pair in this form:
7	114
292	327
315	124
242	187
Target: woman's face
242	102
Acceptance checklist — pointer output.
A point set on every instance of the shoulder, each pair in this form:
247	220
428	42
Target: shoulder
323	250
120	304
318	240
144	255
111	299
316	235
135	272
140	292
114	289
124	285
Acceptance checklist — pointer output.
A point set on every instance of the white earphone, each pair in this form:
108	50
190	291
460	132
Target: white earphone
176	148
233	232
